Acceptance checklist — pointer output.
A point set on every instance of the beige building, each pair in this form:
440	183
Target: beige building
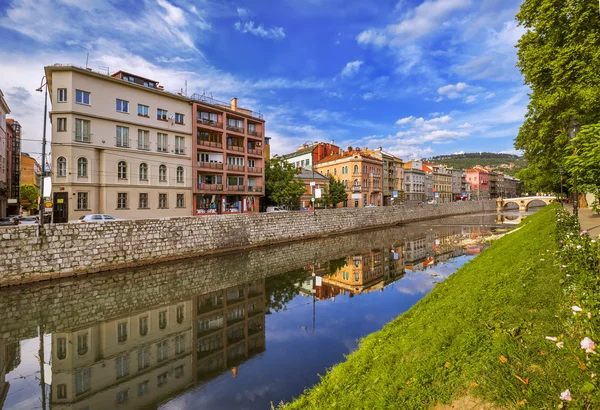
121	145
442	183
4	156
393	175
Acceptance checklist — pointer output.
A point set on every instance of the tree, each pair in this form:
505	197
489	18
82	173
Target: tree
559	57
30	193
334	193
282	186
583	160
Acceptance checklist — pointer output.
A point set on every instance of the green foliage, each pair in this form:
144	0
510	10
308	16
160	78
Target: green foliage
281	289
559	57
481	333
29	192
583	158
334	193
485	159
282	185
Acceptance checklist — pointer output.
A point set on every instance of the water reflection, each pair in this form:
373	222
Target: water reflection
220	332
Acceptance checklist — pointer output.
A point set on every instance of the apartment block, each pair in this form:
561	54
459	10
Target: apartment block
121	145
31	170
229	162
393	176
13	146
479	179
414	181
4	156
311	153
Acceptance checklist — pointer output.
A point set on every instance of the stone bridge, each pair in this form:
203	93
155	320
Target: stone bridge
523	202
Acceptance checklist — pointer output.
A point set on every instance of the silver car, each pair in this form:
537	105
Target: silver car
29	220
98	218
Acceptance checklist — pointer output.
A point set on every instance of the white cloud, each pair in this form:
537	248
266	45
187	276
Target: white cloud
351	69
372	37
465	125
275	33
405	120
173	60
489	95
242	12
470	99
368	96
452	91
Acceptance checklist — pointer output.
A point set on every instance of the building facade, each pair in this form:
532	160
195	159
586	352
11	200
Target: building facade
414	183
4	157
393	176
13	140
442	183
121	145
229	164
479	180
457	191
360	173
31	170
311	153
313	180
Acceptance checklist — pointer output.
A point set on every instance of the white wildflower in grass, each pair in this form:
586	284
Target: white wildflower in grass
551	338
578	246
566	396
576	308
588	345
560	345
589	315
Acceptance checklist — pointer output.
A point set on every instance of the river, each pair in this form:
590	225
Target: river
236	331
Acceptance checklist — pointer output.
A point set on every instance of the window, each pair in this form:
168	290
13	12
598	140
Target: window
162	319
122	200
161	379
143	110
62	95
143	205
179	118
61	348
180	201
122	170
179	344
239	161
82	167
162	351
143	139
122	396
61	165
122	136
82	201
180	314
356	169
83	381
179	174
82	97
162	173
179	372
61	124
162	201
122	366
82	130
61	391
209	118
143	358
179	145
161	143
161	114
144	319
122	331
122	105
143	388
251	163
235	125
143	171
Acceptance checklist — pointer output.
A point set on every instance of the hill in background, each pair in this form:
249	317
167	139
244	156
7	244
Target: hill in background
508	164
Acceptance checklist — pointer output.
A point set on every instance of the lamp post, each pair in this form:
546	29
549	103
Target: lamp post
574	128
313	185
561	171
43	83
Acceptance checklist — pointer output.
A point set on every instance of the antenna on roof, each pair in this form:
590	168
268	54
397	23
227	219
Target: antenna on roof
186	88
87	58
104	68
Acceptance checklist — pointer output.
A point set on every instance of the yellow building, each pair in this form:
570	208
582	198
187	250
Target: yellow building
393	175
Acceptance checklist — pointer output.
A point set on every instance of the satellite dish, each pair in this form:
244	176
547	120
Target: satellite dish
171	116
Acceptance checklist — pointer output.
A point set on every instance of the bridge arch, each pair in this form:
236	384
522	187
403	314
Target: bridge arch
523	203
535	202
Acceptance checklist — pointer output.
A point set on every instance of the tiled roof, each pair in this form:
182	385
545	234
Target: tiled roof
347	155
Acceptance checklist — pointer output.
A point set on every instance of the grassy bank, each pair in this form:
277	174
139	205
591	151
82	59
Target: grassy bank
481	333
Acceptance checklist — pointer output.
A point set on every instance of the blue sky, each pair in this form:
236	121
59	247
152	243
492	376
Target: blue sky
418	78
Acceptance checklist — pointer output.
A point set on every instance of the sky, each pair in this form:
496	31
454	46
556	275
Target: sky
417	78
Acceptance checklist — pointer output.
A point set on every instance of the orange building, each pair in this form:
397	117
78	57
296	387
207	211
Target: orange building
360	173
31	171
361	274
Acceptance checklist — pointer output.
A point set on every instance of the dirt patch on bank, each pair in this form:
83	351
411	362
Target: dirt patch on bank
467	403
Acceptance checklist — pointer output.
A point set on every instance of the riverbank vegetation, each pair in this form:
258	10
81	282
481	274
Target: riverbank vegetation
502	330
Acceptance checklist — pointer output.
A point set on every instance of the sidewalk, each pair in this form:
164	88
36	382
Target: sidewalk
589	222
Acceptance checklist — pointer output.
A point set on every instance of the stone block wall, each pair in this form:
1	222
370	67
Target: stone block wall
63	250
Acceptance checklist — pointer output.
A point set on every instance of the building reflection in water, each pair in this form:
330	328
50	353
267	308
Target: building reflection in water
10	357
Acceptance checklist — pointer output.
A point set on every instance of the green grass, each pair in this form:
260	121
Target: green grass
502	303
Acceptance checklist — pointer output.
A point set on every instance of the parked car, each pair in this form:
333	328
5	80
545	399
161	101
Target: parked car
276	209
98	218
9	221
431	201
29	220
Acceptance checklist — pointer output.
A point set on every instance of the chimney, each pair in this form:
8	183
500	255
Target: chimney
349	148
332	142
234	104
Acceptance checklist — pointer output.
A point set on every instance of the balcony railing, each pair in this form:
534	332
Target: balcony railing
255	189
235	148
234	128
255	151
210	144
210	187
356	188
235	168
255	170
210	165
210	123
236	188
255	133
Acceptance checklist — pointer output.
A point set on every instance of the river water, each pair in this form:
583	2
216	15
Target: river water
237	331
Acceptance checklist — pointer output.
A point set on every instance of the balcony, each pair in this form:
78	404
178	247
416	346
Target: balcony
236	188
210	165
210	144
235	148
255	170
235	129
205	121
255	133
356	188
237	168
210	187
255	151
255	189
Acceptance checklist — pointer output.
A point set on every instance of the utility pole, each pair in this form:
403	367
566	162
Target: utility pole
42	204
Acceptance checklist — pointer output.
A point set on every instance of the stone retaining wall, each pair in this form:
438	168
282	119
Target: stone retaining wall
63	250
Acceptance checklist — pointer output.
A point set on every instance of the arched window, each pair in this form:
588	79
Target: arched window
327	172
356	169
356	182
335	171
122	170
162	173
179	174
82	167
143	171
61	165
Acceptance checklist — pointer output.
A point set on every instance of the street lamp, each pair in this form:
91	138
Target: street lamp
43	84
561	171
574	128
313	186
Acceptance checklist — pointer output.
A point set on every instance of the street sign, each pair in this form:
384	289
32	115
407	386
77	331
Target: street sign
48	204
437	194
395	194
318	193
312	183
